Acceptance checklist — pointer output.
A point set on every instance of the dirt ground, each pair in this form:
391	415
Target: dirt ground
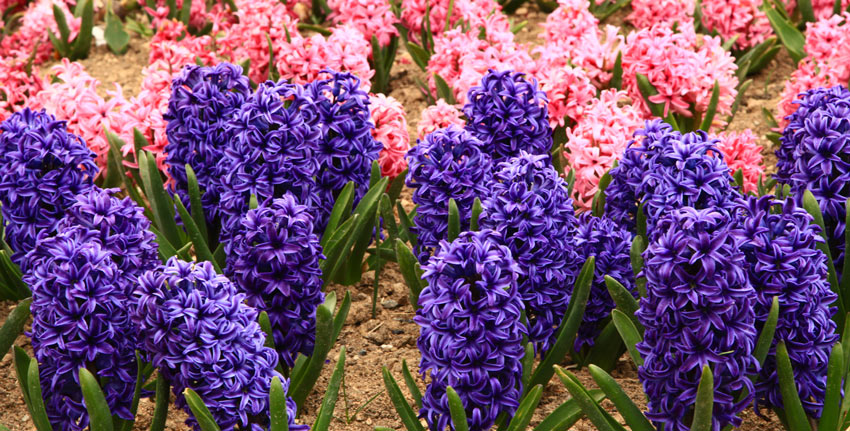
390	338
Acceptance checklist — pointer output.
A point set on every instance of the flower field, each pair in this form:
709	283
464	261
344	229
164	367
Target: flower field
418	215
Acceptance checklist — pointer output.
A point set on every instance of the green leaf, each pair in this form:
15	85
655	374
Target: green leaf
58	45
832	400
141	377
277	406
200	411
195	202
82	43
367	208
797	420
115	146
386	209
792	38
647	90
341	315
22	366
340	241
62	25
811	205
457	411
636	256
806	10
475	215
411	384
444	91
116	37
408	266
14	325
160	411
599	197
844	285
419	55
608	348
704	404
629	333
266	326
454	221
708	118
100	418
186	13
273	72
405	412
617	78
523	414
199	243
396	185
625	406
340	211
527	364
302	387
161	204
739	178
567	414
590	408
624	299
404	219
325	414
765	339
37	409
15	287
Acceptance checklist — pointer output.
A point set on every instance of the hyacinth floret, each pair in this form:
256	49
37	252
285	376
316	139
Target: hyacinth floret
783	261
274	260
42	168
509	114
193	324
698	311
471	330
448	164
202	103
81	319
531	211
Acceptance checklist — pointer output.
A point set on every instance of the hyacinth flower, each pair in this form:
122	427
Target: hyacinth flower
42	168
508	114
190	349
203	101
470	316
81	319
274	261
391	131
532	213
448	164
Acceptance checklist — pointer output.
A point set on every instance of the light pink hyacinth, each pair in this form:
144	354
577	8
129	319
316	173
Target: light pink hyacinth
32	34
741	150
246	39
598	140
197	13
741	18
569	91
345	50
475	13
438	116
807	76
391	131
369	17
647	13
16	85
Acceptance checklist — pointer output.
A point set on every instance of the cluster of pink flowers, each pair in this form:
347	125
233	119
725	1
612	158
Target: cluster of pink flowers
569	91
438	116
32	34
647	13
346	50
474	13
197	14
741	150
369	17
391	131
741	18
823	8
17	85
598	140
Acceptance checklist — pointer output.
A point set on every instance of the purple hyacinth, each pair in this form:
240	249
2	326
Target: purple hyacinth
448	164
203	100
813	155
698	311
274	260
509	114
346	147
80	319
610	244
42	168
471	330
200	335
784	262
531	211
272	152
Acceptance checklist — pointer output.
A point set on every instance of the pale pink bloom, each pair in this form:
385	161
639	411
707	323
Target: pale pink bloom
741	150
718	65
16	86
197	13
827	44
647	13
822	8
808	76
742	18
173	46
345	50
569	92
246	39
391	131
369	17
438	116
569	22
598	140
475	13
32	34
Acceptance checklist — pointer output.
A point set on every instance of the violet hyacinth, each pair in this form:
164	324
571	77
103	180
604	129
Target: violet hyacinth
448	164
698	311
532	212
784	262
272	152
194	324
813	155
42	168
274	260
80	319
203	100
509	114
610	245
471	330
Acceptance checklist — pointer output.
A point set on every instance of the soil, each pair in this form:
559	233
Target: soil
389	338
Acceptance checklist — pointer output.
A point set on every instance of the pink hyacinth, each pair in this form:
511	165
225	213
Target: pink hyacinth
173	46
32	34
741	18
391	131
598	140
647	13
741	150
475	13
197	13
823	8
570	93
808	76
369	17
438	116
246	39
16	85
827	44
345	50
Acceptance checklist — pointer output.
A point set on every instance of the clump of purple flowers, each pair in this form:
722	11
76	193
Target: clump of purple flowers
42	168
509	114
80	319
698	311
200	335
203	100
448	164
610	245
274	260
272	152
784	262
531	211
471	330
813	155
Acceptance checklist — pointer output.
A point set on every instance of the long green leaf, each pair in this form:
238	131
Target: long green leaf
456	410
14	276
14	325
22	366
411	384
278	415
526	408
37	409
200	411
567	414
624	299
647	90
333	250
636	256
161	205
845	269
454	221
405	412
367	209
301	388
419	55
629	333
608	348
444	91
807	12
341	315
704	405
832	401
797	420
617	77
323	418
475	215
708	118
82	43
195	202
406	222
627	408
388	217
590	408
792	38
811	205
100	418
127	425
765	339
62	25
116	37
160	411
407	264
527	364
199	242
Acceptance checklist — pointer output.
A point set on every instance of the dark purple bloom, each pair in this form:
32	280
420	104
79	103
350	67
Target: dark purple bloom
471	330
509	114
610	244
203	101
272	152
42	168
813	155
200	335
448	164
274	260
531	211
784	262
698	311
81	319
